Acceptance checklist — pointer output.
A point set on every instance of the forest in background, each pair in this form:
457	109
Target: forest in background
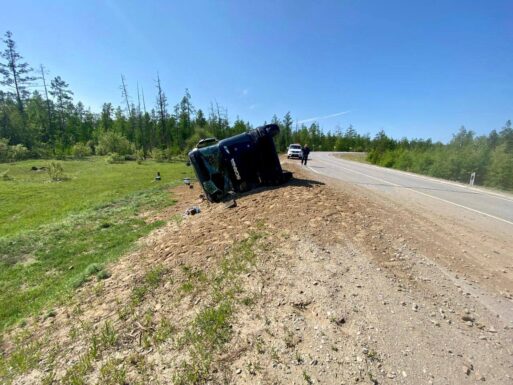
39	118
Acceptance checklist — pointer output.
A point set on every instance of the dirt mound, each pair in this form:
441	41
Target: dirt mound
304	283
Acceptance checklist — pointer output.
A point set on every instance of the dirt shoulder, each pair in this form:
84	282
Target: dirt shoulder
312	282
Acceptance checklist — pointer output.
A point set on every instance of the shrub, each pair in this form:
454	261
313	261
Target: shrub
158	155
41	150
500	172
82	278
139	156
4	150
93	268
103	274
19	152
388	158
192	141
112	142
56	172
81	150
12	153
91	146
115	158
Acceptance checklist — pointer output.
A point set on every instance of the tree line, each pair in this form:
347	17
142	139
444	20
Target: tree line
39	118
490	156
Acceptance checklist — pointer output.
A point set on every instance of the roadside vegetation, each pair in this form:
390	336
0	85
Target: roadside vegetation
198	337
56	235
490	157
39	118
38	193
354	156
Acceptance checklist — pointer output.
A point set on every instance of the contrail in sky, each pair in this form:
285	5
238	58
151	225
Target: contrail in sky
323	117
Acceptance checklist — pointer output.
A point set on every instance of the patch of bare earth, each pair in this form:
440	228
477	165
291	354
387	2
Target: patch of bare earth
300	284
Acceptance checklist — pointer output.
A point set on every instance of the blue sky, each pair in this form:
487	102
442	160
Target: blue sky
412	68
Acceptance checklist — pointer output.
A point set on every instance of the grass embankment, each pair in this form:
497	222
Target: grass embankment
199	337
354	156
55	235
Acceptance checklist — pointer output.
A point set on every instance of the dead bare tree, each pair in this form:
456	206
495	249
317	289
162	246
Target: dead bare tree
161	108
124	93
48	104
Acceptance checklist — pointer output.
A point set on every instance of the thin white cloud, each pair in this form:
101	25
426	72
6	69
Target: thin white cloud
245	92
323	117
253	106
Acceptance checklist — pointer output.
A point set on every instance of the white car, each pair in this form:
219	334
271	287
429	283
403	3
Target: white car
294	151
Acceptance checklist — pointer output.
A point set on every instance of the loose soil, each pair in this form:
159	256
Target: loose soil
337	286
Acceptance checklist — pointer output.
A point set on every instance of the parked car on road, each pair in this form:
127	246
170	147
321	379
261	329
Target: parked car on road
294	151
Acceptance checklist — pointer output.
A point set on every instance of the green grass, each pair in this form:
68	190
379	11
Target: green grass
56	236
211	328
98	343
307	377
113	373
200	339
31	199
355	156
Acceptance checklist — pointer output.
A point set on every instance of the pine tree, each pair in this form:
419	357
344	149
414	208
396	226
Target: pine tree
184	116
200	120
106	122
63	97
15	72
163	136
48	135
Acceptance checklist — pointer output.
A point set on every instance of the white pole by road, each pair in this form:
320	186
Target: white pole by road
472	178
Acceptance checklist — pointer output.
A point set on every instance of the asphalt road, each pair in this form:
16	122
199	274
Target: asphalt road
399	185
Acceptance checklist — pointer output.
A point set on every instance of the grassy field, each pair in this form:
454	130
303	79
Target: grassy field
354	156
56	235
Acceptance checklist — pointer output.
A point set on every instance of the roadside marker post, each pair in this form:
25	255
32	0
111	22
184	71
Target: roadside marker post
472	178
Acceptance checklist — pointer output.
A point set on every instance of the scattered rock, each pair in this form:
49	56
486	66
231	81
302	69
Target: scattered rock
230	204
479	376
192	211
301	304
467	368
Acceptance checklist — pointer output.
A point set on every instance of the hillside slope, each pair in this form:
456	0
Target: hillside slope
306	283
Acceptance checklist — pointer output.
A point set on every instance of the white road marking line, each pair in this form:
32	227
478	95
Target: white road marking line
422	193
429	179
317	172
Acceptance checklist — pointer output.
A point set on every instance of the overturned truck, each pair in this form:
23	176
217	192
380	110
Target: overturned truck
239	163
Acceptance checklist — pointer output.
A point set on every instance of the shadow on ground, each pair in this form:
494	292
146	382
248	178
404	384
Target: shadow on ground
300	182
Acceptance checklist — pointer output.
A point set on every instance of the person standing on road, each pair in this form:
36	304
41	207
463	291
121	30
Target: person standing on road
306	152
